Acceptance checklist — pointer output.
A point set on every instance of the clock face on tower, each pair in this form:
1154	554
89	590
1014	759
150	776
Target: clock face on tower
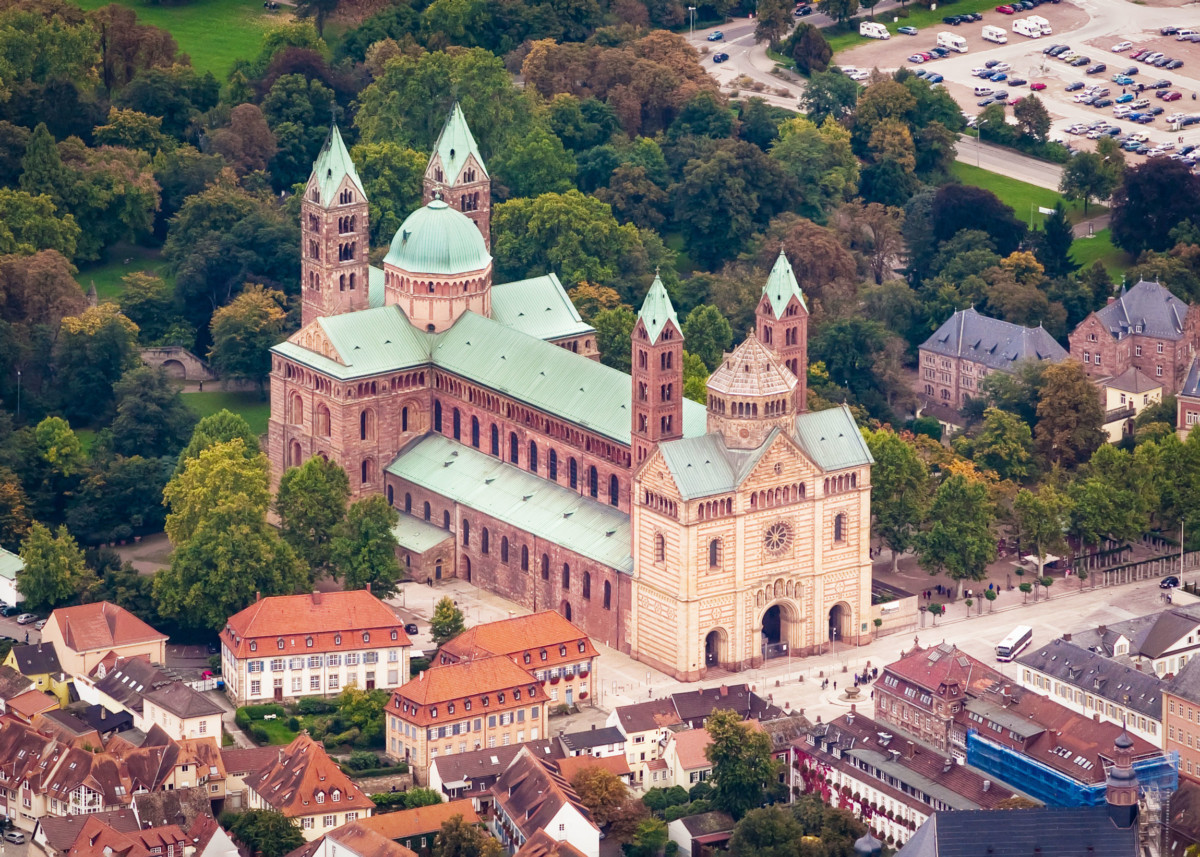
778	538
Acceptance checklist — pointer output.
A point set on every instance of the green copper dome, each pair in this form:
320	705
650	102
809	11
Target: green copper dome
437	239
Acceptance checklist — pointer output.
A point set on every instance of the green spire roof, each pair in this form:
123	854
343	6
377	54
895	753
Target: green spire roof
438	239
332	165
455	144
781	285
657	309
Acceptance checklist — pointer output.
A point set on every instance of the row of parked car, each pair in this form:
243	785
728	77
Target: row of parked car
1022	6
966	18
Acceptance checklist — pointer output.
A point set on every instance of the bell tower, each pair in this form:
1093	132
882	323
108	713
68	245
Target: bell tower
657	374
334	235
1121	784
781	321
457	175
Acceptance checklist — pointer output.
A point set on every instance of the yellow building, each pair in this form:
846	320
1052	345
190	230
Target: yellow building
751	541
39	663
85	634
1125	396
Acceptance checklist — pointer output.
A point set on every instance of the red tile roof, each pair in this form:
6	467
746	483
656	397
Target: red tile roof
486	684
244	760
570	766
531	793
524	639
689	748
542	844
30	703
302	782
102	625
361	840
335	621
424	819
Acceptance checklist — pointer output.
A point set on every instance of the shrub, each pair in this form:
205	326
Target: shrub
401	768
389	800
294	724
242	718
316	705
258	712
260	734
417	665
360	761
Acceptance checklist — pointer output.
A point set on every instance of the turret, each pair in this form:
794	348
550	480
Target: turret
781	320
457	174
657	373
1121	784
750	394
334	235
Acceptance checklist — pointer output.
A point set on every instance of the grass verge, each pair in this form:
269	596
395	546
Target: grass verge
910	16
214	33
253	407
122	260
1099	248
1023	197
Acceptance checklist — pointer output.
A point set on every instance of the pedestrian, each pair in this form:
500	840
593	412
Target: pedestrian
835	685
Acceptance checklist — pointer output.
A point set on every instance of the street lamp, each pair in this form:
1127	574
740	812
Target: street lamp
692	16
18	395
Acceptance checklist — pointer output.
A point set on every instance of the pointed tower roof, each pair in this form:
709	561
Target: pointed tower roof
781	285
751	371
455	144
333	164
657	310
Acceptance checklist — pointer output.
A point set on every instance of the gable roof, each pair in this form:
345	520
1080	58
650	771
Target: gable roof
512	637
303	771
657	310
571	766
503	491
183	701
61	831
332	165
30	703
694	706
336	621
37	659
425	819
490	763
1104	677
997	344
531	794
448	683
538	307
455	144
542	844
588	739
781	286
1148	309
357	838
12	683
1191	384
690	745
645	716
130	679
1133	380
1185	683
102	625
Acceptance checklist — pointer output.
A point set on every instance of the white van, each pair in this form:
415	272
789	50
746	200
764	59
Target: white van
1024	28
873	30
1122	110
995	34
983	92
1185	35
1041	22
951	42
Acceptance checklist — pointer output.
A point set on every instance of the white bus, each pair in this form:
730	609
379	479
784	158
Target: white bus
1014	643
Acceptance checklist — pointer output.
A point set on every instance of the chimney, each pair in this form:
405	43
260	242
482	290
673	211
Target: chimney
281	755
257	595
103	713
987	785
1102	628
947	764
1111	299
1066	637
421	676
316	597
724	690
853	708
1137	666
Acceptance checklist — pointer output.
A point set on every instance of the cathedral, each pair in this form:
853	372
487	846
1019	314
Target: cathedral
691	536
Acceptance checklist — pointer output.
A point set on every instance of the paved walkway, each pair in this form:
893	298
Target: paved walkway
240	738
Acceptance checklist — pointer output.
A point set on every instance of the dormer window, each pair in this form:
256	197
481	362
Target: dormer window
467	705
366	637
582	647
279	643
486	702
528	657
532	691
253	646
337	639
562	651
309	642
517	694
450	708
543	654
320	797
500	698
433	712
395	634
337	795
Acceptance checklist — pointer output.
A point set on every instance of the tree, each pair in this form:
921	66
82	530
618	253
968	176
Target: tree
1042	519
94	349
14	515
1070	418
589	299
959	540
447	622
246	143
707	334
318	10
602	792
133	130
534	165
148	302
634	197
311	503
695	378
1054	244
457	838
614	329
152	419
391	175
244	331
840	10
899	490
1004	445
267	832
1084	177
875	232
55	571
363	550
759	122
741	760
1033	117
811	52
774	20
957	207
768	832
821	161
29	224
650	840
1151	200
221	427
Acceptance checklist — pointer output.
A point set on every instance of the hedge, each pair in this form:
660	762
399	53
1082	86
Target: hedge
402	768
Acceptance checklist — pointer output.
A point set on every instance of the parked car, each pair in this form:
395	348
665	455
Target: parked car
1161	84
1158	111
935	78
1122	80
1017	81
803	11
1174	64
26	619
1049	48
1037	86
998	76
907	31
1121	46
1125	99
1163	62
411	629
1005	10
716	36
1075	86
952	20
16	837
39	624
1080	61
986	102
1131	71
938	52
1103	102
991	63
1170	581
1059	50
721	57
1003	66
1168	31
8	611
1137	55
1098	68
1172	95
1152	56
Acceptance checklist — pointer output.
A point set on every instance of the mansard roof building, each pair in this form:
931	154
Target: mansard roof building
689	535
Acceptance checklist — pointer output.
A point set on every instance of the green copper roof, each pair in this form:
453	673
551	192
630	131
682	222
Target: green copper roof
332	165
538	506
781	285
436	239
418	536
832	439
538	306
10	564
455	144
370	342
656	310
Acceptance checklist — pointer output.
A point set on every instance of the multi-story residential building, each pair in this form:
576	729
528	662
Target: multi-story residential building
545	644
473	773
687	763
892	784
182	712
1125	396
464	706
1187	402
1181	718
39	663
84	635
646	727
968	347
922	692
353	840
530	797
121	684
308	786
288	646
1093	685
606	741
1146	328
1160	642
416	828
10	566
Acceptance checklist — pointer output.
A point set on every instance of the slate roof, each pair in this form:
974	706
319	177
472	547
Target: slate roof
1191	384
183	701
1098	675
332	165
539	307
1185	683
302	770
503	491
531	794
657	310
707	823
101	625
454	144
130	679
487	764
694	706
996	344
589	739
12	683
1148	309
1133	380
1051	832
1149	635
37	659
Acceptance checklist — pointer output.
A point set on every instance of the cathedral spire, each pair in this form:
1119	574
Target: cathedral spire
456	174
657	310
781	320
333	164
657	369
781	286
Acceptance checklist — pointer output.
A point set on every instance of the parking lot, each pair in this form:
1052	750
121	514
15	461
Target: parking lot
1091	28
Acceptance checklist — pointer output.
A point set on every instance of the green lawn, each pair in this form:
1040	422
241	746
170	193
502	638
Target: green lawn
918	16
1099	248
213	32
251	406
122	259
1021	196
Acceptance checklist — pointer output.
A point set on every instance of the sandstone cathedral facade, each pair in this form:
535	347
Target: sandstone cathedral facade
689	535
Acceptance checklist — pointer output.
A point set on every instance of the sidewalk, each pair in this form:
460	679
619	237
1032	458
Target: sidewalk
240	738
